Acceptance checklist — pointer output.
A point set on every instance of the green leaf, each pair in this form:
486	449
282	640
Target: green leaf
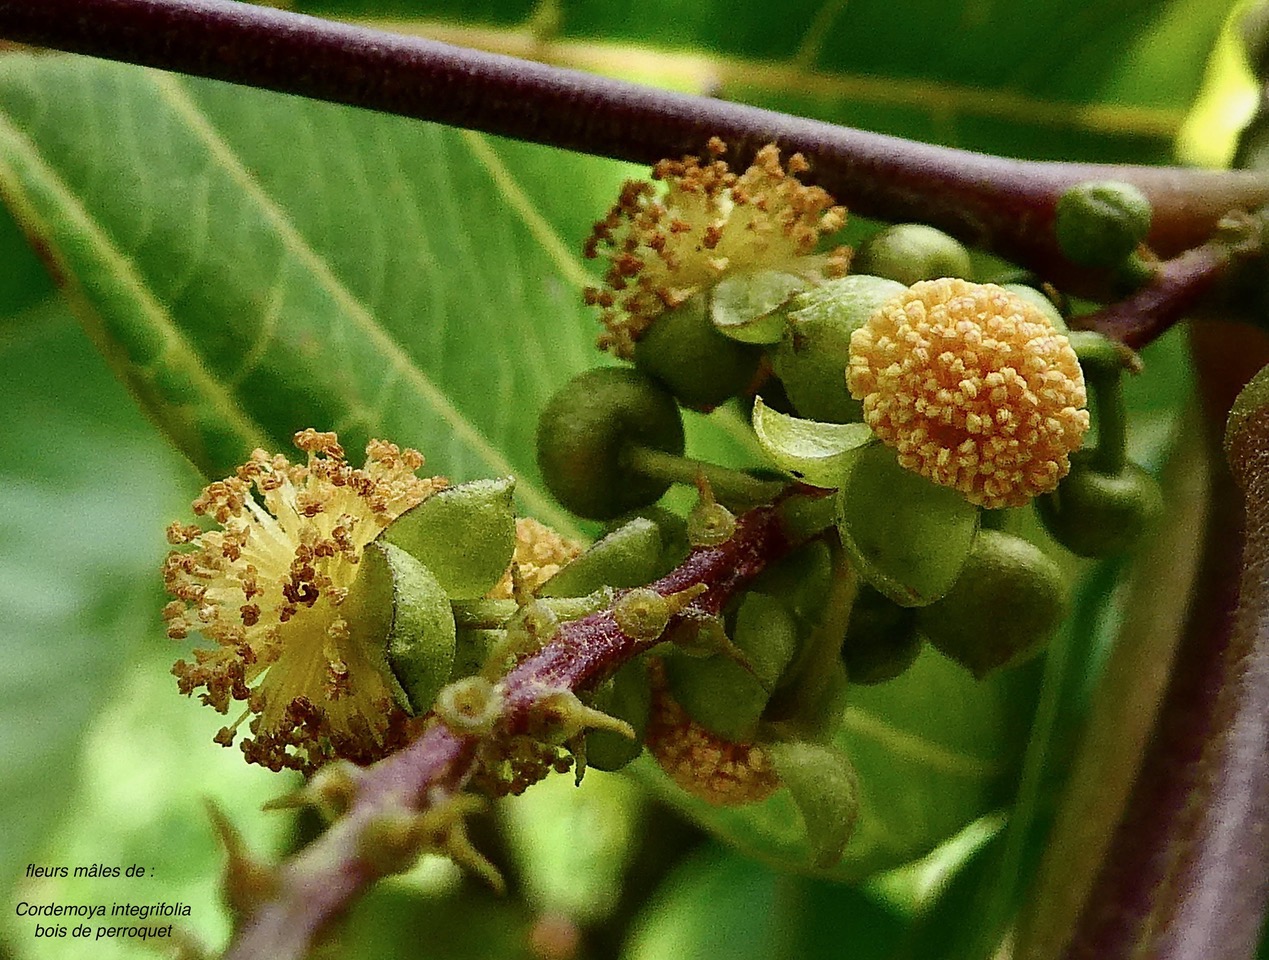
87	490
397	605
815	453
907	537
465	535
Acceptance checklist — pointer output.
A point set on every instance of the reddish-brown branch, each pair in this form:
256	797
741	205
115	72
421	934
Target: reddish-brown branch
319	883
1187	875
1003	205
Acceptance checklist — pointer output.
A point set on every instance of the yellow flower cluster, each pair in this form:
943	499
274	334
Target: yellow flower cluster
540	552
975	389
710	221
266	587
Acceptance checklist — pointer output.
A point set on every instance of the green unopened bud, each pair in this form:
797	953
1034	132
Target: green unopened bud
824	787
910	252
1100	223
811	360
630	555
1008	602
1094	514
588	425
701	367
881	639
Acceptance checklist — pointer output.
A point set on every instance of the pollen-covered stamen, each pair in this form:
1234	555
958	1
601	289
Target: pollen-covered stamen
708	222
267	586
973	387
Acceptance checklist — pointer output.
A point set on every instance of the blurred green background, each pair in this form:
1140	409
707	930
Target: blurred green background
232	266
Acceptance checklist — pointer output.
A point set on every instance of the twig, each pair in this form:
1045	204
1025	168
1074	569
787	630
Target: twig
1002	205
320	882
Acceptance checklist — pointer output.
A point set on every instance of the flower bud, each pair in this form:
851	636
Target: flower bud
1094	514
811	360
701	367
826	792
1007	603
909	252
1100	223
585	429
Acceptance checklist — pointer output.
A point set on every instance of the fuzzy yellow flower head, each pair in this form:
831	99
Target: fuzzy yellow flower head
267	587
709	222
975	389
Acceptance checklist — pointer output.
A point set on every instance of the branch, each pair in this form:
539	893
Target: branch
1187	874
999	204
320	882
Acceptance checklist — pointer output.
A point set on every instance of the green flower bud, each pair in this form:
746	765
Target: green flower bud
697	364
800	581
627	696
585	429
725	696
910	252
1007	603
673	529
628	556
811	360
1094	514
1100	223
881	639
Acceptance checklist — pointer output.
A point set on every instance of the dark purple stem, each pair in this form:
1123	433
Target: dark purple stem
320	882
1187	876
999	204
1180	286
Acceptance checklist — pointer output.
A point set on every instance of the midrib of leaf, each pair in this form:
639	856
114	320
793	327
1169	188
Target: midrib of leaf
294	242
900	742
700	72
18	157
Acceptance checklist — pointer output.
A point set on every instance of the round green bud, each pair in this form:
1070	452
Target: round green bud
910	252
724	695
1095	514
1100	223
1007	603
697	364
627	696
585	429
811	359
881	639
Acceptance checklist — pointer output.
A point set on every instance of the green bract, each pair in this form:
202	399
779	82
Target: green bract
725	696
397	605
906	536
1100	223
684	351
629	556
746	306
1008	602
627	696
588	425
810	451
465	535
910	252
811	359
825	790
